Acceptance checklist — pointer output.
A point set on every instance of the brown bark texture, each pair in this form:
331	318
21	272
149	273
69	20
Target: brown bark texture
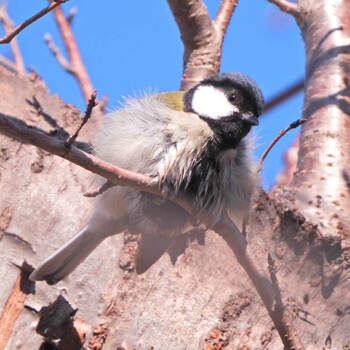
202	37
197	296
320	188
26	176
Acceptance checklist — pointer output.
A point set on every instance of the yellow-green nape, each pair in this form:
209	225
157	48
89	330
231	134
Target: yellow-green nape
173	99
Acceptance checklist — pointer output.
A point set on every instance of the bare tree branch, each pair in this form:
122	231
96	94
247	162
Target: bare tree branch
277	138
58	54
20	131
197	33
225	227
286	6
99	190
224	15
71	15
90	106
284	95
8	37
8	27
238	244
76	65
202	37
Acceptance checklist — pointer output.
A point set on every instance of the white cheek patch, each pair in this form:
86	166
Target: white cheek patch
210	102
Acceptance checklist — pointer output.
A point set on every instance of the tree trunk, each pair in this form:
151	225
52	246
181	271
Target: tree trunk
198	296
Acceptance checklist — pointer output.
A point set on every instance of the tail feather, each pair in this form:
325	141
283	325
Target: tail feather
68	257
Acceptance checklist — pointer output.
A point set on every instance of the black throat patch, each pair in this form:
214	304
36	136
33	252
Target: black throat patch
228	131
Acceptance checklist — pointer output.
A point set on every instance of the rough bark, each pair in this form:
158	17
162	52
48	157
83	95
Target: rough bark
41	206
317	199
201	301
181	303
201	36
320	188
197	297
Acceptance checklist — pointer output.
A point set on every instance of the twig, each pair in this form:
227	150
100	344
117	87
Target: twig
284	95
276	139
8	37
19	130
224	15
58	54
74	65
117	176
286	6
77	67
8	27
71	15
90	106
99	190
238	244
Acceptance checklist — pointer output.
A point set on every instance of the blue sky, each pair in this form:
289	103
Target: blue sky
131	46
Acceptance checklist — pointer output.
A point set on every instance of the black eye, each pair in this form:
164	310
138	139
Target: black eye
232	97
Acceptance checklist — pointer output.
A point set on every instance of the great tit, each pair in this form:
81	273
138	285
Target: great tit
193	142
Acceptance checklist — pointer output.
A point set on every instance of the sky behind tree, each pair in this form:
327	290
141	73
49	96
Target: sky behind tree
134	46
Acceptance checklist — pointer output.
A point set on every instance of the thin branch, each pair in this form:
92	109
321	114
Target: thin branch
58	54
8	37
71	15
284	95
286	6
238	244
90	106
8	27
225	227
277	138
77	67
19	130
224	15
99	190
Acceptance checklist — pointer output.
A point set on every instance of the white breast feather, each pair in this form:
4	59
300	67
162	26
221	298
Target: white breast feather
133	138
239	179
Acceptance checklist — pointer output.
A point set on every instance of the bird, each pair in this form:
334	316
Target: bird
192	142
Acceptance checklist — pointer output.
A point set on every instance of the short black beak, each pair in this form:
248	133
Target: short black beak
250	118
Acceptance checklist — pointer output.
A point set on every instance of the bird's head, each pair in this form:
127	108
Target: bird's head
229	102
